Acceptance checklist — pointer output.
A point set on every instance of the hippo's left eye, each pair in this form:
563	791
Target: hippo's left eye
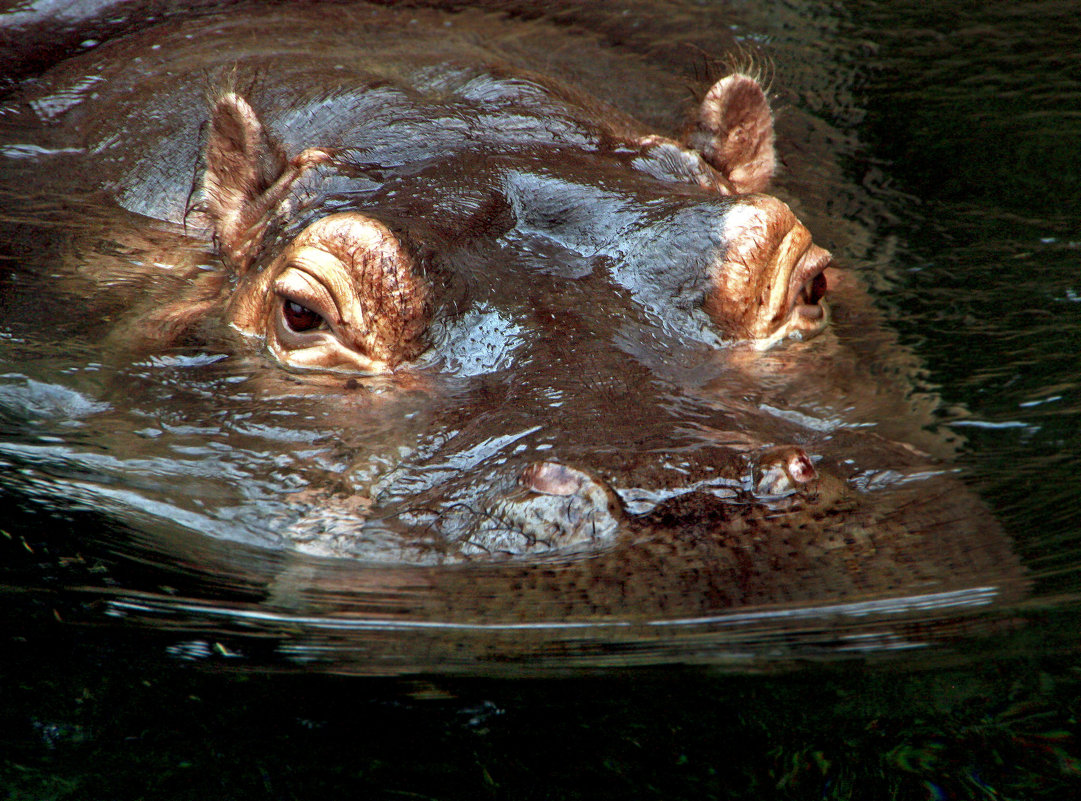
300	318
342	297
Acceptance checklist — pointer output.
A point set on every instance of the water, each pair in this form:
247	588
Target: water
952	188
991	252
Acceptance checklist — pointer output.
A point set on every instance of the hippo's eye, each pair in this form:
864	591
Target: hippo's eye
300	318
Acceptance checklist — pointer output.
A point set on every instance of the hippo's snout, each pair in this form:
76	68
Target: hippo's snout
554	507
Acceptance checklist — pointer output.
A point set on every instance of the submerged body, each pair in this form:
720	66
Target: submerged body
537	359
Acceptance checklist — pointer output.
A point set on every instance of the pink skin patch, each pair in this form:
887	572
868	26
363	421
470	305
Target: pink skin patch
800	468
550	478
783	470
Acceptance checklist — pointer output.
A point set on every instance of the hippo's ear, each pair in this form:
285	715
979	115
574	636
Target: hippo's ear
247	174
734	132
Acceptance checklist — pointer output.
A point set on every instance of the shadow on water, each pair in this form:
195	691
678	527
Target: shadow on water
950	188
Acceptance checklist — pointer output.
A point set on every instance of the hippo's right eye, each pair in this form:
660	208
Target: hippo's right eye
300	318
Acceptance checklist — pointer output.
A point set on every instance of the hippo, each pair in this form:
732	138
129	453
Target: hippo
432	312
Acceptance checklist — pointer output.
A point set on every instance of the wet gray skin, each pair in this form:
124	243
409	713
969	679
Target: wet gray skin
548	379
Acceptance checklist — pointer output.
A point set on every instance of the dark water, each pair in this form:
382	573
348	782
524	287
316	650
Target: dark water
953	188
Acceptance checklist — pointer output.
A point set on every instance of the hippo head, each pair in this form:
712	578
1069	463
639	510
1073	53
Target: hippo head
440	341
342	283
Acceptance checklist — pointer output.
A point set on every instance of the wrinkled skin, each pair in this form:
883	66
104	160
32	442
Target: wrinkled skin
575	334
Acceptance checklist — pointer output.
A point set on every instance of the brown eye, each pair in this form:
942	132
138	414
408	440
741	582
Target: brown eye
818	288
300	318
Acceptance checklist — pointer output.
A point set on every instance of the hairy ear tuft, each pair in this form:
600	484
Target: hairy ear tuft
734	132
247	173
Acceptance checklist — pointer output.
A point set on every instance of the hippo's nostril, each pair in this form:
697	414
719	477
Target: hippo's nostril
551	478
561	509
780	471
800	468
